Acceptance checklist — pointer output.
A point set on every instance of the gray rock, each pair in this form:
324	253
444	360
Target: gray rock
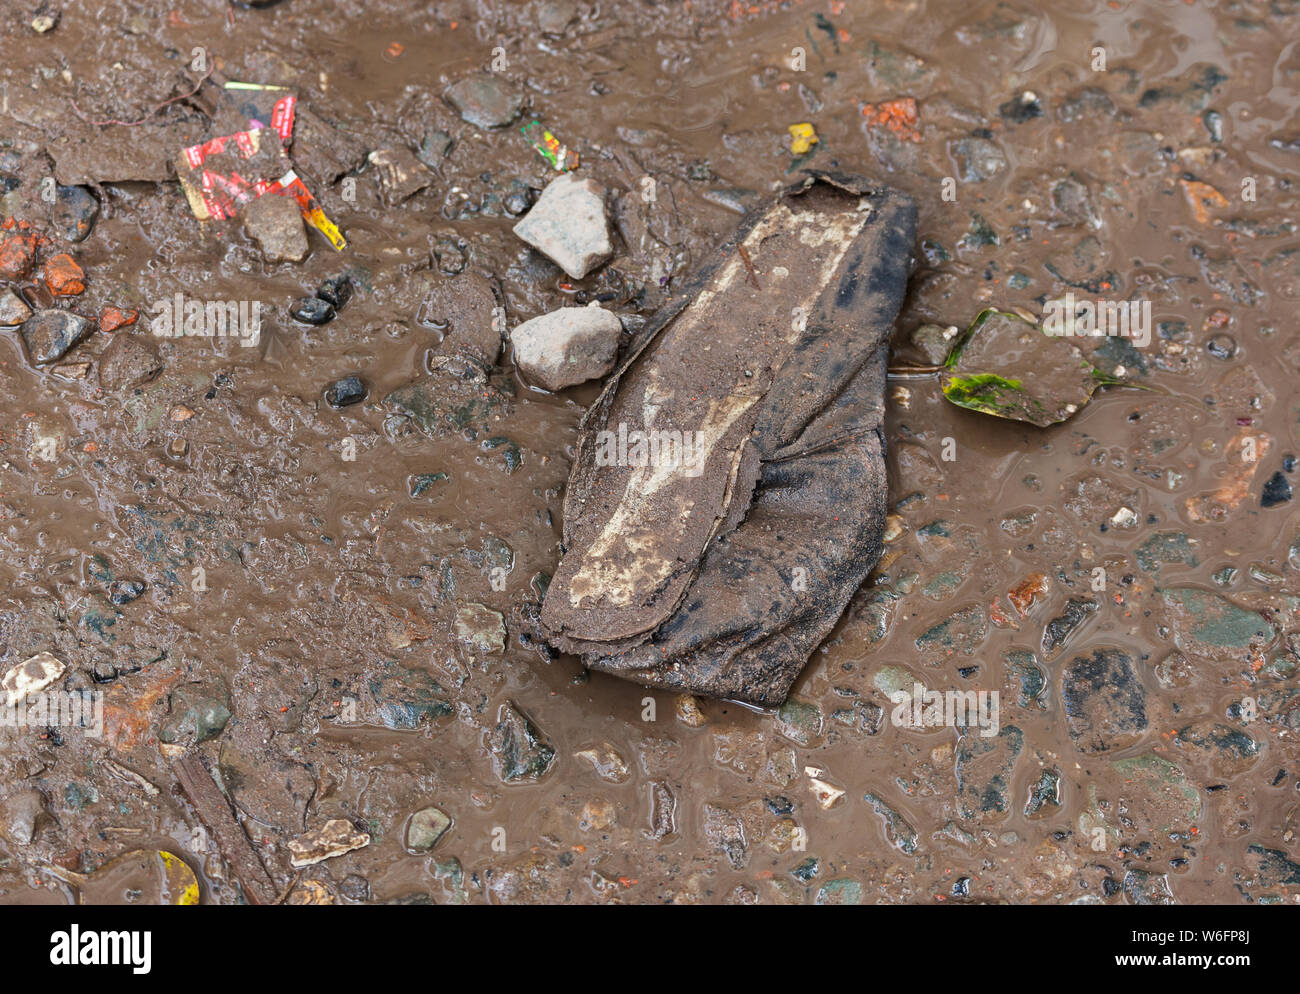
127	362
75	211
425	829
568	224
13	309
553	16
49	334
485	100
978	158
434	148
518	750
568	346
1105	703
480	628
401	174
275	223
23	816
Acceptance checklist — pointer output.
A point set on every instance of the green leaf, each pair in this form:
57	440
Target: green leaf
1007	366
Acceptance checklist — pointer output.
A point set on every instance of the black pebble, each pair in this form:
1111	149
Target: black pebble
349	390
1276	491
312	310
336	291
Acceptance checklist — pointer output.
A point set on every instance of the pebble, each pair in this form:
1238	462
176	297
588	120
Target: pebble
31	676
349	390
434	147
568	224
1105	703
125	591
75	212
1221	346
336	837
426	827
567	347
49	335
127	362
1276	491
519	751
13	309
312	310
275	223
336	291
401	175
485	100
23	816
607	763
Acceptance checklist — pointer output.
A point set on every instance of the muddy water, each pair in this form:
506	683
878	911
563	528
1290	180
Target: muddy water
1116	579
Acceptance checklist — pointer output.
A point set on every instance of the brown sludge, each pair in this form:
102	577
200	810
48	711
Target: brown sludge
337	608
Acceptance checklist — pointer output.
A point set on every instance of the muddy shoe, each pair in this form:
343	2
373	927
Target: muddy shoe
728	492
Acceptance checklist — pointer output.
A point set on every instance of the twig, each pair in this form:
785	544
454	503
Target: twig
214	811
748	265
289	889
131	124
912	372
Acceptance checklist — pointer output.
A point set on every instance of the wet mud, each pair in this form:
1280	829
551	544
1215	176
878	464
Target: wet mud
329	592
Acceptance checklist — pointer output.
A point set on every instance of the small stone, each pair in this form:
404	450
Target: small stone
518	750
1276	491
275	223
663	810
336	291
312	310
349	390
553	16
336	837
31	677
689	713
434	147
62	276
568	225
127	362
23	815
180	413
607	763
1221	346
567	347
355	887
485	100
1105	704
978	158
419	483
194	719
75	211
42	23
1057	631
426	827
481	628
597	814
13	309
177	447
113	318
401	174
125	591
935	341
516	203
